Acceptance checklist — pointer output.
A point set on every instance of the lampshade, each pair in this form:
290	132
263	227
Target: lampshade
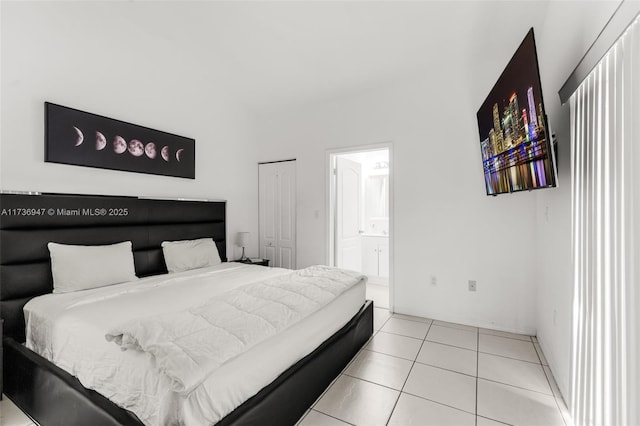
243	239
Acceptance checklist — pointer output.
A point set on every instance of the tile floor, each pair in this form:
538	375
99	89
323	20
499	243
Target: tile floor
10	415
415	371
379	294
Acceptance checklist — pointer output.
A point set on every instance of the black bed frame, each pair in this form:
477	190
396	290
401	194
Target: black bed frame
50	395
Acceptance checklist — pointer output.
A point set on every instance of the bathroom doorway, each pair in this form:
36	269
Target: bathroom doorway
360	206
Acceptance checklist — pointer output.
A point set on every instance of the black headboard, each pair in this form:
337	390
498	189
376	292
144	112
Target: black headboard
29	222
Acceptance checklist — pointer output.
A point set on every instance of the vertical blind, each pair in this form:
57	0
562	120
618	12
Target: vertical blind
605	191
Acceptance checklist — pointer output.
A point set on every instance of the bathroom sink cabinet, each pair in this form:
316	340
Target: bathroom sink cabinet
375	258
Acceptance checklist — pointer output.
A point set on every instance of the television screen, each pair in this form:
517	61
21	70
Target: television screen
514	135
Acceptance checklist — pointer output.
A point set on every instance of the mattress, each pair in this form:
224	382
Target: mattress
68	329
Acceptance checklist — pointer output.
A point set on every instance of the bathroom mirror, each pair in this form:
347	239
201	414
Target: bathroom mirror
377	196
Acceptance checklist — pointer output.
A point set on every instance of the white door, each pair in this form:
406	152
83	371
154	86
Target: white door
348	212
268	211
277	198
286	227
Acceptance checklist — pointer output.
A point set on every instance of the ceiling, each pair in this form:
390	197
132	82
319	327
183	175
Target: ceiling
271	54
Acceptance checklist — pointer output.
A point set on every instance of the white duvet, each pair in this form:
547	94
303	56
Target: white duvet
188	345
69	329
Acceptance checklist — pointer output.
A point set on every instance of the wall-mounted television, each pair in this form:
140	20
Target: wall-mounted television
515	140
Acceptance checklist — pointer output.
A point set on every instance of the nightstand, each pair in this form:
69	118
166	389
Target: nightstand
263	262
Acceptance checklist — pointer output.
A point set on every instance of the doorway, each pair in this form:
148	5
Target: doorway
360	207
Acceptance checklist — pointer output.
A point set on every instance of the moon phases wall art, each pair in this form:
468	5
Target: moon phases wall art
84	139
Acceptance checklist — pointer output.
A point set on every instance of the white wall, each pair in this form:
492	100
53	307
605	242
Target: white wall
569	29
444	223
94	57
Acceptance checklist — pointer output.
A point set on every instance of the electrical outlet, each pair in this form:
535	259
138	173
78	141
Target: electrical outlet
434	280
472	285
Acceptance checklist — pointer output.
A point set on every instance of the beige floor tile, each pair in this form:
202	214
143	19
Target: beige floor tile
407	328
510	348
379	368
517	406
10	415
316	418
446	387
328	387
414	411
358	402
392	344
513	372
449	357
483	421
454	325
453	336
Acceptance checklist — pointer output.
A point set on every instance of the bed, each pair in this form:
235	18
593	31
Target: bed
50	395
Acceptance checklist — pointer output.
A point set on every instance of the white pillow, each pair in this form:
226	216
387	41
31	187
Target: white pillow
82	267
190	254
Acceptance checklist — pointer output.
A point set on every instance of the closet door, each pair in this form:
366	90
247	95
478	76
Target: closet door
277	198
268	211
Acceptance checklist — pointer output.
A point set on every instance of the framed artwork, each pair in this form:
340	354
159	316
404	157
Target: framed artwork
84	139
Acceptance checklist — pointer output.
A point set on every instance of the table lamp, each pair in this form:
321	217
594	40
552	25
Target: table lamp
243	241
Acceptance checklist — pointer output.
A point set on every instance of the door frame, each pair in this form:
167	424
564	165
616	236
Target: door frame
330	206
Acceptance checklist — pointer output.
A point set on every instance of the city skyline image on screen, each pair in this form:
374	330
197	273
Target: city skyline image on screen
514	134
